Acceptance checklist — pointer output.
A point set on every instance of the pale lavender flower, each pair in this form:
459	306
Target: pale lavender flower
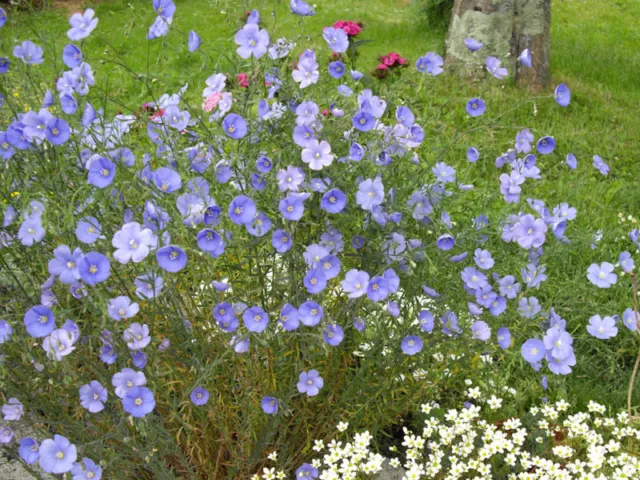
137	336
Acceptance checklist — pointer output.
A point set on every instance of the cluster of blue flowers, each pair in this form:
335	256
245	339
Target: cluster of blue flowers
327	209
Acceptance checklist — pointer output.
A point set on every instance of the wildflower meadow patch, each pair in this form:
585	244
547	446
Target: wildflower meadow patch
217	284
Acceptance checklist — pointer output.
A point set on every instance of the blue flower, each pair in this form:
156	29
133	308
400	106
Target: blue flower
194	41
476	107
504	337
65	264
310	313
269	405
378	289
306	471
72	55
473	154
603	328
411	345
315	281
562	94
430	64
363	121
255	319
164	8
242	210
167	180
82	24
525	58
29	450
39	321
101	172
602	275
94	268
445	242
87	469
472	44
171	258
29	53
302	8
138	402
291	207
333	334
251	40
199	396
546	145
310	383
336	38
533	350
289	317
92	396
281	241
57	455
336	69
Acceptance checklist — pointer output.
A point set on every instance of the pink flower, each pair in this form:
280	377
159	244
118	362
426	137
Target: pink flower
211	101
243	80
351	28
381	66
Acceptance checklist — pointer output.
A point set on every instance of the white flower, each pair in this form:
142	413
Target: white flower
494	402
342	426
269	473
474	393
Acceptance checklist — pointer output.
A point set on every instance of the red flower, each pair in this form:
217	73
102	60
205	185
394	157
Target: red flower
351	28
326	112
243	80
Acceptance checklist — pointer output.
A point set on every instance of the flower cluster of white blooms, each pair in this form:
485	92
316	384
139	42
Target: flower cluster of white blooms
476	442
349	461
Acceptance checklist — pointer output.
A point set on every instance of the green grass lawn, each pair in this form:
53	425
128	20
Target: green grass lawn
595	50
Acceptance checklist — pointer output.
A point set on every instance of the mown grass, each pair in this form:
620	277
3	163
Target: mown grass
595	50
